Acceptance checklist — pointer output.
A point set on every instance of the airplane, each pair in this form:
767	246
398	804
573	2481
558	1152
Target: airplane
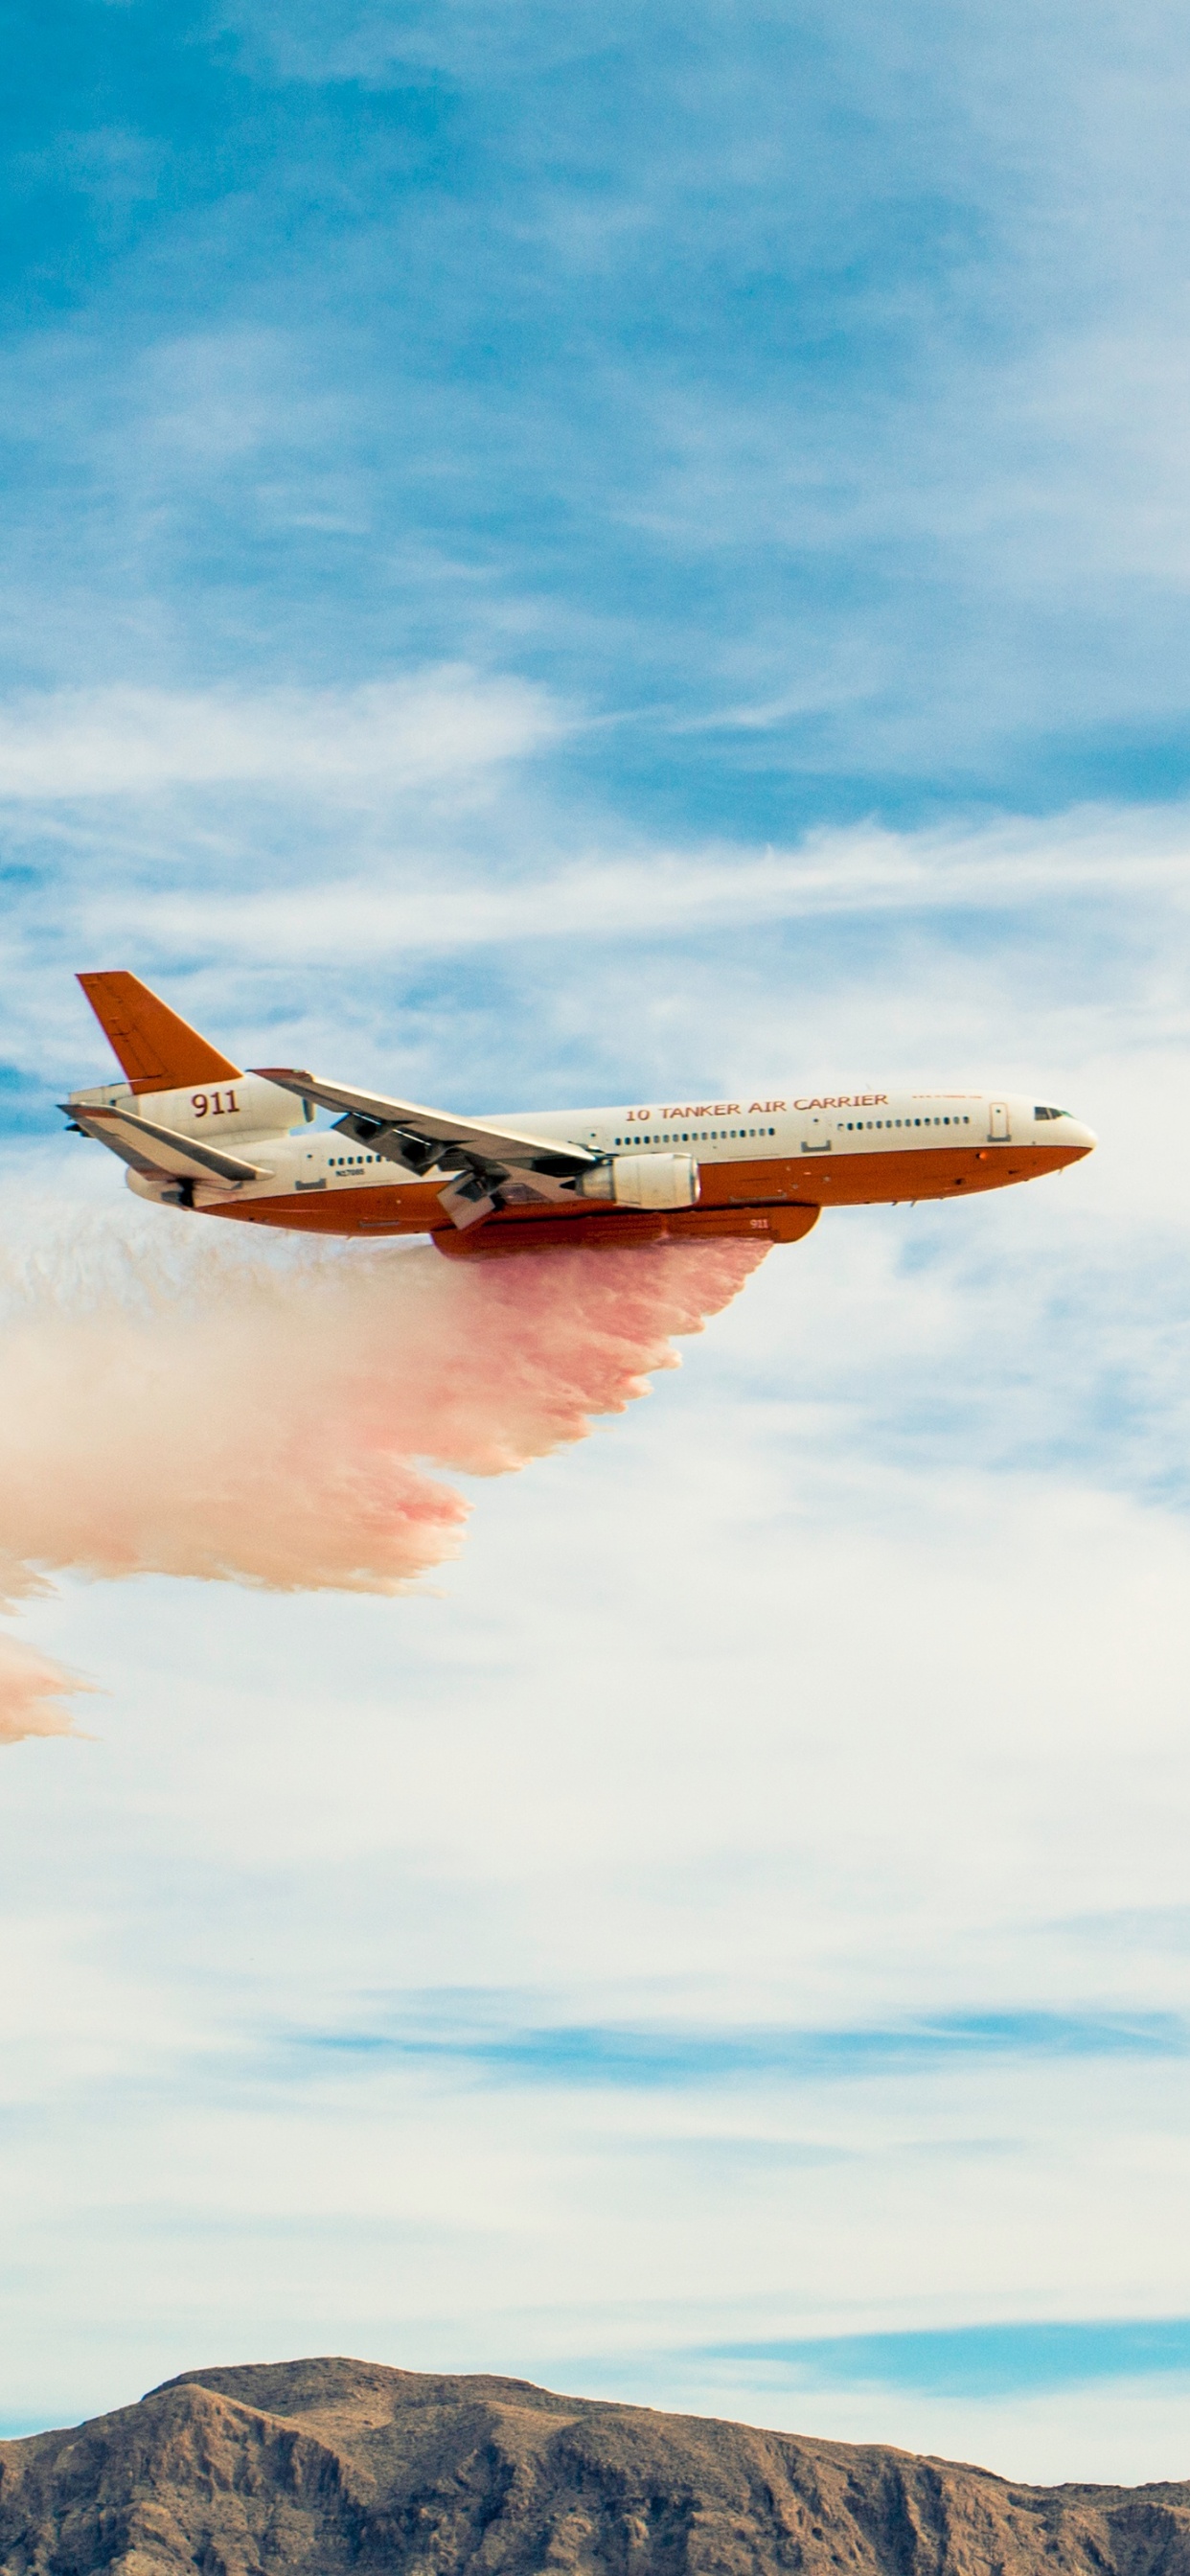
197	1131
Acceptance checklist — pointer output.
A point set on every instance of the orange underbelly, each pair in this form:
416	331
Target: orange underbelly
413	1210
417	1211
866	1180
787	1188
520	1231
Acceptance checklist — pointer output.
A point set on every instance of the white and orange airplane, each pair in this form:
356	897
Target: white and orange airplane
197	1131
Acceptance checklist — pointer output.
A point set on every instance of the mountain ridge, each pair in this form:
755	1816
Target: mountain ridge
336	2467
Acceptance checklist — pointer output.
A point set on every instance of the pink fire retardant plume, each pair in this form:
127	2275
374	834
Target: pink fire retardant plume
31	1694
271	1420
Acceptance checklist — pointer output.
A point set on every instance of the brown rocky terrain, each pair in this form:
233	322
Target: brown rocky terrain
320	2467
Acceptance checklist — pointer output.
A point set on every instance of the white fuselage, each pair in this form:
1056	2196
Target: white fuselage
819	1147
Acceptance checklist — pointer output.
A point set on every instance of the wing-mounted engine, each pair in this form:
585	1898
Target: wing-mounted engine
643	1181
626	1180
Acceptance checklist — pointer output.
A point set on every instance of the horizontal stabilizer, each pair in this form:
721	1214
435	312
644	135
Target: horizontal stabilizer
149	1148
157	1050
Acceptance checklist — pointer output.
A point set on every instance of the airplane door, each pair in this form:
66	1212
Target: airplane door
818	1139
999	1132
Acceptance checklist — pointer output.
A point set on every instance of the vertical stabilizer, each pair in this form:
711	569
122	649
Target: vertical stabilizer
158	1051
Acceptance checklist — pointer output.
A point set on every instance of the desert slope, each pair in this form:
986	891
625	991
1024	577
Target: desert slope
326	2466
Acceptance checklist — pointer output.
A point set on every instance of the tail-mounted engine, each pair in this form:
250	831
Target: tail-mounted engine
643	1181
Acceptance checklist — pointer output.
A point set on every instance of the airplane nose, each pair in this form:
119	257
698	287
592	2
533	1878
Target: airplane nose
1083	1139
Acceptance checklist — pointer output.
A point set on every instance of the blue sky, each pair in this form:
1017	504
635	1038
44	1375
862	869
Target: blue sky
798	393
547	550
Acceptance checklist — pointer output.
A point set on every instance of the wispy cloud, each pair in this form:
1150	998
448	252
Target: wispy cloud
642	2059
870	871
441	726
976	2361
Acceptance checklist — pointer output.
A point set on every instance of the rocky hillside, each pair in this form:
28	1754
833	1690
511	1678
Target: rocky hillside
325	2466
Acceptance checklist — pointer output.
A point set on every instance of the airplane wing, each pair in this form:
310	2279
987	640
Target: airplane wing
149	1148
489	1165
409	1124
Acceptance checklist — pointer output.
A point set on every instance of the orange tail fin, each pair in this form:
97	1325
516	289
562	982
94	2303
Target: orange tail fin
158	1051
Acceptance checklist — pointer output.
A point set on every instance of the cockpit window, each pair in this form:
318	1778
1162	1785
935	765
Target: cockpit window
1051	1113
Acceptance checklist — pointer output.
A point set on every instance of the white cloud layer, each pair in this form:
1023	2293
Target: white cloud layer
443	725
865	870
398	875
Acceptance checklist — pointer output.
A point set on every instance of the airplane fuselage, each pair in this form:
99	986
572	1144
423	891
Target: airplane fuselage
196	1130
765	1164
